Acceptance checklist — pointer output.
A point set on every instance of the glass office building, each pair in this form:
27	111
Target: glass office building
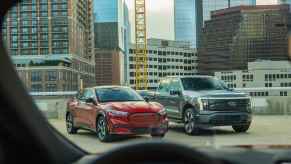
106	10
235	36
185	21
212	5
190	16
112	36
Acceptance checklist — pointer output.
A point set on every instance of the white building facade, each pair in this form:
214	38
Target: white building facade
262	79
165	58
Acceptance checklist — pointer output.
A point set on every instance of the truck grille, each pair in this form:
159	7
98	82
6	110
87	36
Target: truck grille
228	105
144	118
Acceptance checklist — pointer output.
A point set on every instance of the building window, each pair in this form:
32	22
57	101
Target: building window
51	87
36	88
283	93
248	77
52	76
268	85
36	76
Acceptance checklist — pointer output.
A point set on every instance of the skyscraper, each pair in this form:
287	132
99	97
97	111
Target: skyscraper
238	35
211	5
190	16
185	21
51	43
111	41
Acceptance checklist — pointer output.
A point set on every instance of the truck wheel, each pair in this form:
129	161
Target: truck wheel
190	126
241	128
71	129
102	130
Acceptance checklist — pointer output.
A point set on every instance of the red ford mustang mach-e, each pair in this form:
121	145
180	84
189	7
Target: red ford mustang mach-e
115	110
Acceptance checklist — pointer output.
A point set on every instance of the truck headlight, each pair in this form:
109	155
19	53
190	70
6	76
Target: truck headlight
200	104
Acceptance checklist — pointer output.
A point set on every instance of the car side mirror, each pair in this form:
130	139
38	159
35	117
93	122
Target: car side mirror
147	99
230	89
91	100
175	92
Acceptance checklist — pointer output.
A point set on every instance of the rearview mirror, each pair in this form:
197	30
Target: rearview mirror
91	100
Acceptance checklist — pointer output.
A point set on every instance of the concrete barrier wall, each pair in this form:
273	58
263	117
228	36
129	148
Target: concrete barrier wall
52	107
55	106
272	105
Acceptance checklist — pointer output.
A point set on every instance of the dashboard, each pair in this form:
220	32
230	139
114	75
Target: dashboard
169	153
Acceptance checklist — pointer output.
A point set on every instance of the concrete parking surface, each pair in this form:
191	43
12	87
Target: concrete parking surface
264	130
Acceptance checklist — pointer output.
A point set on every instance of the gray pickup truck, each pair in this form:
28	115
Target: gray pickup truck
199	101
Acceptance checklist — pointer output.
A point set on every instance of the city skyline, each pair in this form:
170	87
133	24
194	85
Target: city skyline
160	17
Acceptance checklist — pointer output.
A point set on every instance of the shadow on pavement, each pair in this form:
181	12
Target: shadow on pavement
116	138
206	131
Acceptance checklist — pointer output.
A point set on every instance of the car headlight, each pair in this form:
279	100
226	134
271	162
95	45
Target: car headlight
116	113
163	112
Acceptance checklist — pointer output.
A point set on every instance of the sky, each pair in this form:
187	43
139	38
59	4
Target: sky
160	17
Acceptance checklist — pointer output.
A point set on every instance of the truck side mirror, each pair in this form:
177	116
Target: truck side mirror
175	92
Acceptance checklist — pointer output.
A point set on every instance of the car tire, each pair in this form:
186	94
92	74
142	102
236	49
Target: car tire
102	130
158	135
241	128
71	129
189	119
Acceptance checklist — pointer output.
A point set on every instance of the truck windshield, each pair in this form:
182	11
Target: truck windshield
202	83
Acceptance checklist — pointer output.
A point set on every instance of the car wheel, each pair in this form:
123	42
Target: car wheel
71	129
102	130
190	126
241	128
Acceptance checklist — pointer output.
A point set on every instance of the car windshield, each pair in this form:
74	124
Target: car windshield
226	63
202	83
117	95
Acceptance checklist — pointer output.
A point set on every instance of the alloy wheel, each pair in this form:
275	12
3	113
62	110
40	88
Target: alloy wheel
101	128
189	121
69	122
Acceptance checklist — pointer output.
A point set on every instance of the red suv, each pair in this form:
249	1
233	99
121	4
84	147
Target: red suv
115	110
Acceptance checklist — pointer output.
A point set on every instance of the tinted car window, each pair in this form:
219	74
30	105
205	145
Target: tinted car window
202	83
175	85
164	86
88	94
80	95
117	95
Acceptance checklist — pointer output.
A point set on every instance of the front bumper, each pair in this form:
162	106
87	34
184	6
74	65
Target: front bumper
224	118
121	127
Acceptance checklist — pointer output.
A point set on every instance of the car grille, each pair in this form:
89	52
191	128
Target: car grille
228	105
144	118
